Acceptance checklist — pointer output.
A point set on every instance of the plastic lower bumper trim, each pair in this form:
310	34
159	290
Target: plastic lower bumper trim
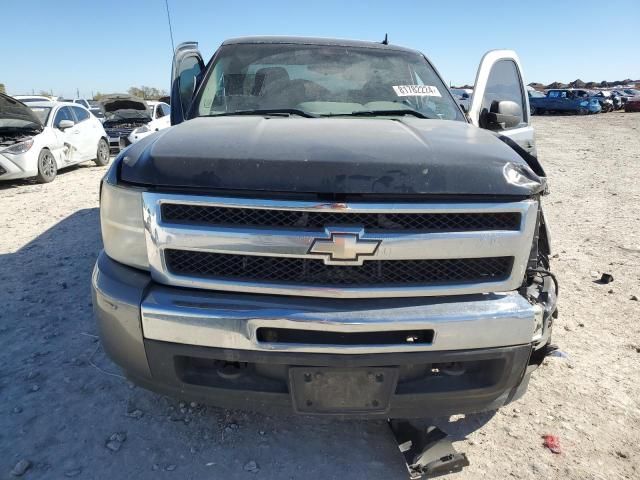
263	385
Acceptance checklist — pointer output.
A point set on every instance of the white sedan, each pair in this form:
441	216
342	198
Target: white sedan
39	139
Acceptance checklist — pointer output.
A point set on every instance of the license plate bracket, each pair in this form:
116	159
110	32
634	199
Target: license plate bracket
342	391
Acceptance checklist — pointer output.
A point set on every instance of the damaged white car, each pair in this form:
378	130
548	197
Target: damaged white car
40	139
160	119
129	119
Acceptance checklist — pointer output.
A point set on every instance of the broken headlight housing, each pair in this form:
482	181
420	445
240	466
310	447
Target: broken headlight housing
19	148
122	225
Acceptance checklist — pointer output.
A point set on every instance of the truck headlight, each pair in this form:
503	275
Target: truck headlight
122	225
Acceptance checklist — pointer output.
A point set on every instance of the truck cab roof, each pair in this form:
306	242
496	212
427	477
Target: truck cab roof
274	39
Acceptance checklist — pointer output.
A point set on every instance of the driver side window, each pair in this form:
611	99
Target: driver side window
63	114
190	70
504	84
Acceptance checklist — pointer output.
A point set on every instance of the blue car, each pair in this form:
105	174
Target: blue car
564	100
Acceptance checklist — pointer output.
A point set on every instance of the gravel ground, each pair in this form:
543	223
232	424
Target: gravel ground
67	412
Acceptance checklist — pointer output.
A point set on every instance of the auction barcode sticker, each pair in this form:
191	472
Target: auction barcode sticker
416	91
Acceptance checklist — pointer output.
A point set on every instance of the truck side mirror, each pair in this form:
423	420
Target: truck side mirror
503	114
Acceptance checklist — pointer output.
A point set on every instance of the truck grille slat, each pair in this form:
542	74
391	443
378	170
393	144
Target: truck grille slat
373	222
315	272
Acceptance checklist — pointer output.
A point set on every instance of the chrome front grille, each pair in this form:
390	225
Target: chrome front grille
352	250
388	221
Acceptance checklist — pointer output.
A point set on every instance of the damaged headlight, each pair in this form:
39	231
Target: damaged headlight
521	175
19	148
122	225
142	129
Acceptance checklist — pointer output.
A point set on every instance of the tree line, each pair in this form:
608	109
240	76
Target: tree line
144	92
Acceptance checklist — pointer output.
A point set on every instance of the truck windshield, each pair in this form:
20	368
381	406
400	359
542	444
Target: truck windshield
323	80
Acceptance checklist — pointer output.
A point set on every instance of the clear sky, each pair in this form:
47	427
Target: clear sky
108	46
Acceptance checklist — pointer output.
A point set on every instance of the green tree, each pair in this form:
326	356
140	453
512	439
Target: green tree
147	93
2	89
136	92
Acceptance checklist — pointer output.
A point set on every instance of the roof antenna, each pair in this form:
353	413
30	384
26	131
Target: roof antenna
386	40
173	48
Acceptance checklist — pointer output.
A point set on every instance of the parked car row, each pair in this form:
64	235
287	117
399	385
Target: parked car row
41	137
581	101
570	100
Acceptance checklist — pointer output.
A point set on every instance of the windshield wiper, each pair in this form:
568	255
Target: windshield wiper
376	113
267	111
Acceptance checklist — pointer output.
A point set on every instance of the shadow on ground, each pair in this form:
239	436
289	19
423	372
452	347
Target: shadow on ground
7	184
62	399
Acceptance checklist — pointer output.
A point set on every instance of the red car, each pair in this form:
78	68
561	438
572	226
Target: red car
632	105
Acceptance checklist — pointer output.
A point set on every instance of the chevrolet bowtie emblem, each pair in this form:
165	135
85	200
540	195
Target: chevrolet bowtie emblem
343	248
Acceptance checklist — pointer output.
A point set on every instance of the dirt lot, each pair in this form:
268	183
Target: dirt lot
63	400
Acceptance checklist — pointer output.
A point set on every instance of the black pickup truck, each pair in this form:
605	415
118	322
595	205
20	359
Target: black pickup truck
323	230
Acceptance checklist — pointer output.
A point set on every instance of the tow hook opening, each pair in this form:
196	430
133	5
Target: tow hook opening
454	369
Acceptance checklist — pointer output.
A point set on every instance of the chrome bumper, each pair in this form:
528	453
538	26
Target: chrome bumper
231	321
133	313
130	309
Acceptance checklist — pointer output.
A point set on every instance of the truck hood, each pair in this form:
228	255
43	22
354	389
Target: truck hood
330	156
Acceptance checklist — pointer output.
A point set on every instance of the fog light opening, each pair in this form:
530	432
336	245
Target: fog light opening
230	370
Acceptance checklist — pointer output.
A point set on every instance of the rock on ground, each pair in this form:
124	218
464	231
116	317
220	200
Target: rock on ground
21	468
